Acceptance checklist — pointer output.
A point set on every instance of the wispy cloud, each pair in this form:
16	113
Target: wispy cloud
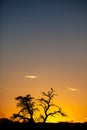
30	76
72	89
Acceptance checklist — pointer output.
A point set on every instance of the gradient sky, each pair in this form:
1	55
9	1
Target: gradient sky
46	39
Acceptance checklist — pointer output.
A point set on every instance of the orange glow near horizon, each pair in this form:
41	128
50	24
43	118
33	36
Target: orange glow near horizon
67	100
73	114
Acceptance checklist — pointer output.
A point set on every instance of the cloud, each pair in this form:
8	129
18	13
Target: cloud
72	89
30	76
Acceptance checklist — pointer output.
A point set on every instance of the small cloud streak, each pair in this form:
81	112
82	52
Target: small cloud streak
72	89
30	76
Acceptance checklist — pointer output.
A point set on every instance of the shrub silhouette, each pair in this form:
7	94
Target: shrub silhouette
28	108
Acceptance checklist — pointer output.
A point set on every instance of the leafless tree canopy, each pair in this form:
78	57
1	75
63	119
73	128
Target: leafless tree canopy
28	106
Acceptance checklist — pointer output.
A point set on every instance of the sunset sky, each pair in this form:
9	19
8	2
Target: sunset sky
43	46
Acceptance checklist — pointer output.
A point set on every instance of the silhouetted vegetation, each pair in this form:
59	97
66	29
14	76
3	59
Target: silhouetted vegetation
6	124
29	107
49	109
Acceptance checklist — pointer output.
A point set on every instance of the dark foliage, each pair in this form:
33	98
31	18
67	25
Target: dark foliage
27	109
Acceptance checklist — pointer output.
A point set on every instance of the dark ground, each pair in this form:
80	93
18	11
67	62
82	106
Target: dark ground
7	125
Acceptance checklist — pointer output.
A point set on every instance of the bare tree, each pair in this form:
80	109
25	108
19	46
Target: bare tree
28	106
27	109
47	105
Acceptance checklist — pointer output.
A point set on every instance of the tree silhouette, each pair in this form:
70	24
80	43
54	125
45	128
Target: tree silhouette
28	106
47	105
27	109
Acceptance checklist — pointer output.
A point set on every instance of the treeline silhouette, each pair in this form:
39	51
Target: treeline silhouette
7	124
